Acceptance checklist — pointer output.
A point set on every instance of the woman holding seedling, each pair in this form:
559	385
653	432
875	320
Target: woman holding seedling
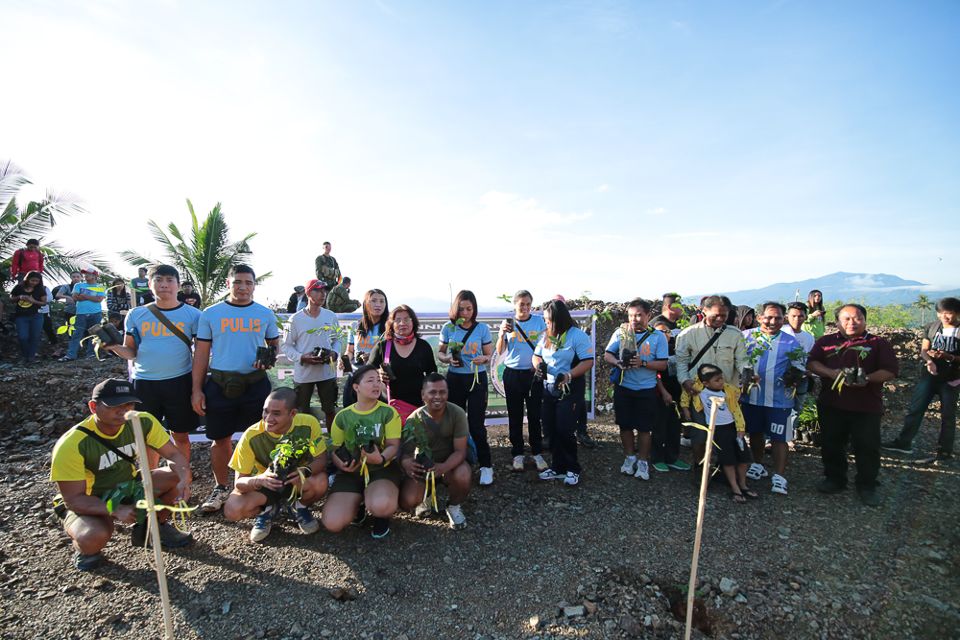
562	358
518	338
465	347
405	359
815	324
365	335
366	441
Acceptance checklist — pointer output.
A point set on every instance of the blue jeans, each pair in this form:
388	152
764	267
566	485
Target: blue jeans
928	387
83	322
28	332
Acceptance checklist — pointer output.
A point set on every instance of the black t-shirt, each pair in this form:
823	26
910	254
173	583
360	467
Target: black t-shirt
665	320
26	308
192	299
410	371
946	343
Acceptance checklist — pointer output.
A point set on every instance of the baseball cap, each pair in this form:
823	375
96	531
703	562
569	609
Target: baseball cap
90	270
317	284
114	392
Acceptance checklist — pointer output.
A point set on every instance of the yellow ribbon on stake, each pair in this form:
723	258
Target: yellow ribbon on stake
181	510
430	490
476	375
152	524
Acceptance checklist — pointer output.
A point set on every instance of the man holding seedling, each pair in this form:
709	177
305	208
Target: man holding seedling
234	332
327	268
95	469
87	295
435	442
671	311
853	365
778	362
710	341
637	353
159	339
312	345
281	466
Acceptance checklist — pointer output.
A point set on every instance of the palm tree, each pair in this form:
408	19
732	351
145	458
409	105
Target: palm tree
205	257
36	220
923	303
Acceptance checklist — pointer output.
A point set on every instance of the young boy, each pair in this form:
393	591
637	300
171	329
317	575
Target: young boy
728	436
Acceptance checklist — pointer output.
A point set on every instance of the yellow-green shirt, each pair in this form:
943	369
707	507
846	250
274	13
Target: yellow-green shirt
252	453
382	417
77	456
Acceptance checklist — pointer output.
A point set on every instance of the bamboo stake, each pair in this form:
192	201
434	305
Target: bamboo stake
134	418
704	482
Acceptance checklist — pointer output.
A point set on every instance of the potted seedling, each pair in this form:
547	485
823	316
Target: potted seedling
289	454
266	357
128	492
756	347
851	374
793	376
415	433
362	437
628	345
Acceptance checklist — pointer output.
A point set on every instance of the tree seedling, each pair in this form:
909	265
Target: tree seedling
266	357
288	456
415	433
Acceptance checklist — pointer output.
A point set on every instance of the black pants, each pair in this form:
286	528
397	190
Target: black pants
667	428
560	421
521	389
837	426
475	404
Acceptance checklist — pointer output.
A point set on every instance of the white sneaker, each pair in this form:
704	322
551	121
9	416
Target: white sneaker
541	463
424	509
629	465
262	524
571	479
456	517
643	470
550	474
216	500
757	471
685	442
486	476
778	484
517	463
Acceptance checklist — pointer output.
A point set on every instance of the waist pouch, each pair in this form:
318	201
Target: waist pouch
235	384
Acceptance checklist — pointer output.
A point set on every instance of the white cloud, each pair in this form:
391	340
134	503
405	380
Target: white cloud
603	188
657	211
499	208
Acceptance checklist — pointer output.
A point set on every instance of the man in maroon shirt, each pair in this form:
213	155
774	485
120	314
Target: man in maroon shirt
853	365
26	260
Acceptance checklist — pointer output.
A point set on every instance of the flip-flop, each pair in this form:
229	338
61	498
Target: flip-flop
750	494
735	496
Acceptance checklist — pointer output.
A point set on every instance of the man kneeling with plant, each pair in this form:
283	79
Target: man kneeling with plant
280	464
94	465
435	448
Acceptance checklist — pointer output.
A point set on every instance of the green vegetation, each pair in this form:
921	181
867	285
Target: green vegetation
36	220
204	257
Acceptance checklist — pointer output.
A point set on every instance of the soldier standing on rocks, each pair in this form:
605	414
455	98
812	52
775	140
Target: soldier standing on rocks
327	268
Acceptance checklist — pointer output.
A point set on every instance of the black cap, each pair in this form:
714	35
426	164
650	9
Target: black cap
113	392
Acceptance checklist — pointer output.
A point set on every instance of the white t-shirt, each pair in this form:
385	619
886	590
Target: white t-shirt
724	416
805	339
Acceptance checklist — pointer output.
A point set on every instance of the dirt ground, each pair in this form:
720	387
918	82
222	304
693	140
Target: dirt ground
537	560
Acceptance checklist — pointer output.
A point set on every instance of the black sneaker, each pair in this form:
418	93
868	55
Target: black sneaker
869	496
170	536
896	445
381	528
585	440
829	485
86	562
361	516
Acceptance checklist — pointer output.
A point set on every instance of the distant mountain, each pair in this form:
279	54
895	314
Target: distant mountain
870	288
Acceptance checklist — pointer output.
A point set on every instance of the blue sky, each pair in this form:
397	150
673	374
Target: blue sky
621	148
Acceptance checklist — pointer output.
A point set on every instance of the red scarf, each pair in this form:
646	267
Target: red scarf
404	341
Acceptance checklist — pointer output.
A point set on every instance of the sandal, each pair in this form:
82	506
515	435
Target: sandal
749	493
737	497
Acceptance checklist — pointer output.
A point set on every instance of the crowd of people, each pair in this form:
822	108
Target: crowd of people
403	427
